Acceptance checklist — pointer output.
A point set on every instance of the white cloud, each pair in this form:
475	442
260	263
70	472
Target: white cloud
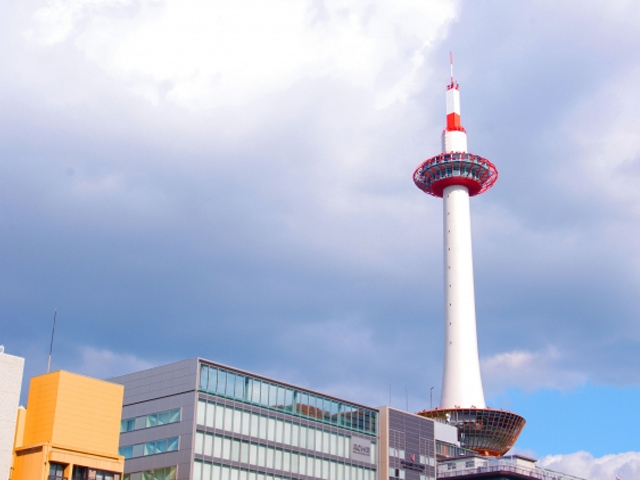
202	53
584	465
529	371
104	363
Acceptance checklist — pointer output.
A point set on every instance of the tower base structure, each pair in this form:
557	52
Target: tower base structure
484	430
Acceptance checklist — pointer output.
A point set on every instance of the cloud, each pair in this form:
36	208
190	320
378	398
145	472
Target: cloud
200	53
529	371
584	465
104	363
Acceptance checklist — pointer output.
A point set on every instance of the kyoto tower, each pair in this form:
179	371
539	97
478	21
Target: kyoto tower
456	175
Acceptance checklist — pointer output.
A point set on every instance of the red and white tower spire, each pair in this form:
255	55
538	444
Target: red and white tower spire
455	175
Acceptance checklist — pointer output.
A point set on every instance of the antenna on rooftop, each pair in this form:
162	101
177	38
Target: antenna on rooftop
451	62
53	331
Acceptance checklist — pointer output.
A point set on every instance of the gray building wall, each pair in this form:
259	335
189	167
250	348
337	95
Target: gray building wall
407	445
156	390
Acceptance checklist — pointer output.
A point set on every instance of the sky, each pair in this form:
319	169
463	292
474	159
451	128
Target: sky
232	179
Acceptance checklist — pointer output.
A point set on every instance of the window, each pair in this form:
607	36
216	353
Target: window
56	471
151	420
149	448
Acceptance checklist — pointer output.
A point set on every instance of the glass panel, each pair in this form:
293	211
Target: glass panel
325	442
333	444
286	461
303	464
219	417
216	473
279	431
217	446
225	473
138	450
152	420
200	413
253	454
199	442
262	456
126	452
264	393
237	421
206	471
273	395
254	389
255	422
288	400
287	433
295	433
226	448
263	427
270	454
303	407
173	444
318	441
295	459
246	423
208	445
303	436
197	470
280	400
278	459
340	441
209	420
271	432
141	422
239	394
160	445
204	377
235	450
222	382
231	384
228	418
244	452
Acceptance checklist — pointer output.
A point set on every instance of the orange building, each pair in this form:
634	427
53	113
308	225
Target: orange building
69	430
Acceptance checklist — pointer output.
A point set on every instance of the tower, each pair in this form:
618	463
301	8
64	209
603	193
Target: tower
456	175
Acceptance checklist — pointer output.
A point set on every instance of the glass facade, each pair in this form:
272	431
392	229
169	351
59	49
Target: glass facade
252	390
151	420
165	473
149	448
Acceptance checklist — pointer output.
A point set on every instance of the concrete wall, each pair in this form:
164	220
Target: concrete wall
11	369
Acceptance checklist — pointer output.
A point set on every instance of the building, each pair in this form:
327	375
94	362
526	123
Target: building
407	445
456	175
69	430
513	467
11	369
197	420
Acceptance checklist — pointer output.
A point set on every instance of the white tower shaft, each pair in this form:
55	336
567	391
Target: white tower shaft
461	379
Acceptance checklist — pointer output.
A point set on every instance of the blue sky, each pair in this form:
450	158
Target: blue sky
232	180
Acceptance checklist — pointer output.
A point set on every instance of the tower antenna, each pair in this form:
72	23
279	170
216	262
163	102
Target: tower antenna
451	63
53	331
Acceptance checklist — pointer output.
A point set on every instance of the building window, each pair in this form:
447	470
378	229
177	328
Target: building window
166	473
56	471
149	448
150	420
221	382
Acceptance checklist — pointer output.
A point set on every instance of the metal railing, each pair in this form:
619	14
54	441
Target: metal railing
536	473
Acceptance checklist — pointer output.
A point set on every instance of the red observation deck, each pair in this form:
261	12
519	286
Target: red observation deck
457	168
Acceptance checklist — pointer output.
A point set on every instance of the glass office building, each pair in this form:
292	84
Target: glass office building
199	420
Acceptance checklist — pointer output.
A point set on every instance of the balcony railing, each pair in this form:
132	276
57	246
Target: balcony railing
535	473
